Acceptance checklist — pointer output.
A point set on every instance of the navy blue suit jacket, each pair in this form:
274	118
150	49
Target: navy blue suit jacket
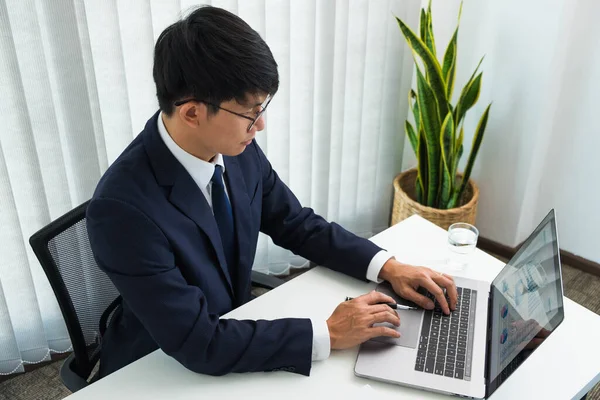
154	234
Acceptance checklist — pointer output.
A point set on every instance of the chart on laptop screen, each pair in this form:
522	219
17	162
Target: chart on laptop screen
527	297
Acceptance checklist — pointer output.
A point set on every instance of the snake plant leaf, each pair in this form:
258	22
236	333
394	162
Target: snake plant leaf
419	189
476	69
412	136
422	173
449	65
414	107
432	67
458	150
446	139
464	90
447	144
431	126
429	37
477	138
468	97
454	196
423	25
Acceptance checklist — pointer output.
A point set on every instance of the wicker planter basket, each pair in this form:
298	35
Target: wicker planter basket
405	203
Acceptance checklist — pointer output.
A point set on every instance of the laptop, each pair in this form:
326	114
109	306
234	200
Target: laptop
493	330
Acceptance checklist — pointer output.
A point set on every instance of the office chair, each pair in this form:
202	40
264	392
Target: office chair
86	296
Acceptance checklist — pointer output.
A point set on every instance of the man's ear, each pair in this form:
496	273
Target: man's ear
193	113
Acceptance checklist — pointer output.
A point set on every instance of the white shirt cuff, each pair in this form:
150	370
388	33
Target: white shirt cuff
376	264
321	341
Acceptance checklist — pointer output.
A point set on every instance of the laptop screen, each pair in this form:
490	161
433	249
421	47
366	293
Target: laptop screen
526	303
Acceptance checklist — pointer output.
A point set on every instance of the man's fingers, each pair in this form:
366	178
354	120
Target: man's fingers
437	291
377	308
419	299
383	331
447	282
373	297
385	316
377	297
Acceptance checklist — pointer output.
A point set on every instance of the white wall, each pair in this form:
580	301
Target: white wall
571	179
542	74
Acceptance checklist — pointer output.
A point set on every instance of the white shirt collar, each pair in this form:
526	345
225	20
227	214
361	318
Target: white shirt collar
201	171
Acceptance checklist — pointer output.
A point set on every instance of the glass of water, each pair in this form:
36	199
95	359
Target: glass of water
462	239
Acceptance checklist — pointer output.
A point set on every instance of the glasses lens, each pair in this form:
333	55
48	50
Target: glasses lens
262	111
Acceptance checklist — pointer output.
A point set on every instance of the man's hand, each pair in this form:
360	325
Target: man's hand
530	331
352	321
406	279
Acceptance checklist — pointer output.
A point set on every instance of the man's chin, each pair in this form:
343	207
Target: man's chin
237	151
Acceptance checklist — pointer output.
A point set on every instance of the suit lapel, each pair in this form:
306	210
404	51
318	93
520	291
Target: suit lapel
240	203
185	194
188	198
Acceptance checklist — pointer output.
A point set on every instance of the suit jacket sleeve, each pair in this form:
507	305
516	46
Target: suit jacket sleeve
137	257
300	230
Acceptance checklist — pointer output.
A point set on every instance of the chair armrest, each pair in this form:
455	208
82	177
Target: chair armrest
265	281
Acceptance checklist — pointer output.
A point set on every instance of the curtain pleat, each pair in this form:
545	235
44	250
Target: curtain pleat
76	84
336	129
373	80
301	92
321	105
111	76
397	70
137	46
353	112
91	83
23	197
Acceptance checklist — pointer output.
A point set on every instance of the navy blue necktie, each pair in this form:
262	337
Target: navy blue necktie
224	217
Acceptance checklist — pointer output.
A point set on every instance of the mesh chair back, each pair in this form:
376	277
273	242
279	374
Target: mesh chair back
83	291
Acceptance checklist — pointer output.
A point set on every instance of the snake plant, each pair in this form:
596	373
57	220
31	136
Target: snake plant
437	137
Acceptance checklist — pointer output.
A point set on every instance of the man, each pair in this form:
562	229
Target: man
174	221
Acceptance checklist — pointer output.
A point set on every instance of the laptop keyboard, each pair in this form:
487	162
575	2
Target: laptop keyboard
446	342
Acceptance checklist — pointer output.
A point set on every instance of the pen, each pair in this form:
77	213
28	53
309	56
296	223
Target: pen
395	306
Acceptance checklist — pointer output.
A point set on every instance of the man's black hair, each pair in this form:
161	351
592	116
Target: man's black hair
212	55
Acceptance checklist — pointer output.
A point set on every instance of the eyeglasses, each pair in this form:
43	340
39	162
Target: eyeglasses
263	108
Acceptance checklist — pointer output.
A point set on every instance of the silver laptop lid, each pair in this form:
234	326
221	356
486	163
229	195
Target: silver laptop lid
526	303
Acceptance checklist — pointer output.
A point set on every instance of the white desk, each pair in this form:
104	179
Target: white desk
566	366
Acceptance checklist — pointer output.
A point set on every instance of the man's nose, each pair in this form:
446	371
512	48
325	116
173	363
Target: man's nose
260	123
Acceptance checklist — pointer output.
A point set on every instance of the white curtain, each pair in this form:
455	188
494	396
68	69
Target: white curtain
76	87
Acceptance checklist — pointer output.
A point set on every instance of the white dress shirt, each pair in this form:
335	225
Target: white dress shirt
202	171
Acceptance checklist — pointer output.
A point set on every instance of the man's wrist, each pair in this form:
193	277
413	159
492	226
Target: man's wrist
388	269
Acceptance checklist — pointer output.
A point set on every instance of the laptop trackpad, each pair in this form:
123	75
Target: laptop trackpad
410	325
410	321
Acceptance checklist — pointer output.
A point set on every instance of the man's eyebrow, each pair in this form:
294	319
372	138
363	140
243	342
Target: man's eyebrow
250	105
248	102
260	103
